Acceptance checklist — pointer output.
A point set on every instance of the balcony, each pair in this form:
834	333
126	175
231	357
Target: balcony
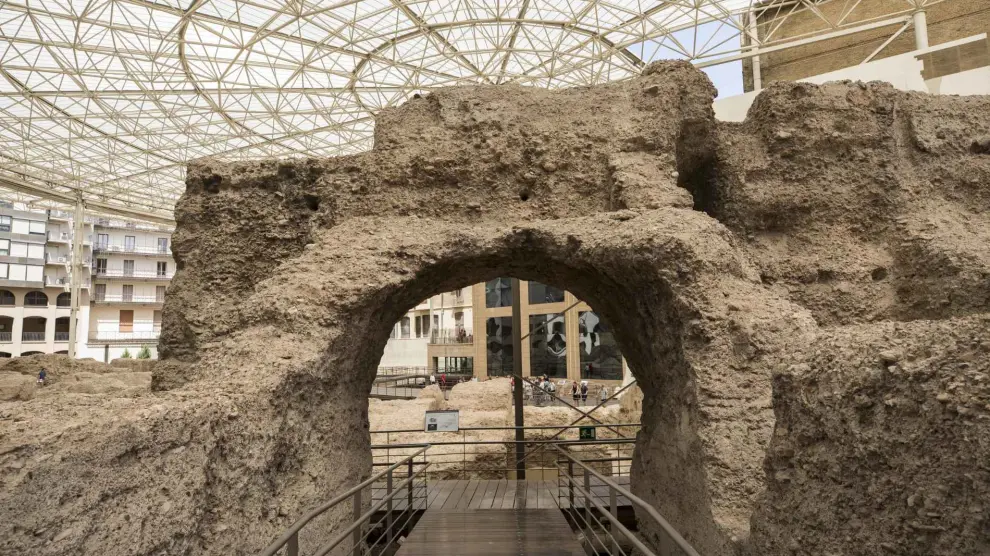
58	237
33	337
143	250
6	337
124	225
56	259
131	275
124	337
61	336
127	300
63	282
451	336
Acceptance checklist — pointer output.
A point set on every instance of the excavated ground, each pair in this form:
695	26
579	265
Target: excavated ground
802	297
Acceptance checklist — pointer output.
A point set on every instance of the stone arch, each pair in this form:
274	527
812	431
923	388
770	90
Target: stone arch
667	280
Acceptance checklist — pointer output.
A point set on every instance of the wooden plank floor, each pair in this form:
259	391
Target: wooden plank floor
467	532
498	494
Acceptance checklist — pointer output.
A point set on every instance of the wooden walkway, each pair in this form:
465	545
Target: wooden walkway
491	533
501	494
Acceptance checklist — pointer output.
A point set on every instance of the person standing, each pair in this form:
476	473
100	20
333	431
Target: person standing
42	376
603	394
584	392
575	395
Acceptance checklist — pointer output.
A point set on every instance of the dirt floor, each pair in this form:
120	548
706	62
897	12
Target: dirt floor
802	297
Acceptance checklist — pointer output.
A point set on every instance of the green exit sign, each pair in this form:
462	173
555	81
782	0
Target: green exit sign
586	433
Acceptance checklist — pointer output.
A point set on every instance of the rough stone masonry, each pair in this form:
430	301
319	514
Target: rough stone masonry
822	266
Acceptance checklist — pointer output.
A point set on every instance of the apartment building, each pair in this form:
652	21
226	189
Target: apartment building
35	269
132	267
472	333
127	268
444	319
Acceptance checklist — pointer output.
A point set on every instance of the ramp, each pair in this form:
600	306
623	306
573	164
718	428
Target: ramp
492	533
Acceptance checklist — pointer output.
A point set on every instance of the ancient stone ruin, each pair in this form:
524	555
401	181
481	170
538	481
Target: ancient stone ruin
823	266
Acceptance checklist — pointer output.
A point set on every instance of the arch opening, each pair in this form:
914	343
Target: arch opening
34	329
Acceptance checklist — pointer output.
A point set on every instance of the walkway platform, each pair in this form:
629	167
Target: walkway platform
502	494
491	533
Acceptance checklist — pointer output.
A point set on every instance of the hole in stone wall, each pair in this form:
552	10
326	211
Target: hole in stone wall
879	274
312	202
524	195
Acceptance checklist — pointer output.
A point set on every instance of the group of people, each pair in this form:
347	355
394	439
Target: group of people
579	391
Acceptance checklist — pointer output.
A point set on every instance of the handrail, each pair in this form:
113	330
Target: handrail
511	428
294	529
671	532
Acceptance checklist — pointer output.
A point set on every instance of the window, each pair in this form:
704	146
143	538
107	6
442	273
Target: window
162	268
436	322
6	298
36	227
547	345
37	274
5	247
498	332
541	293
101	266
128	268
128	243
157	321
99	292
160	294
600	357
391	335
426	325
419	328
459	320
102	241
4	270
405	327
36	299
498	292
17	272
126	323
35	251
64	300
163	245
18	249
20	226
5	223
127	294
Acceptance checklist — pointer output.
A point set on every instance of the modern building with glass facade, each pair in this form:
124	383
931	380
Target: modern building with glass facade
563	337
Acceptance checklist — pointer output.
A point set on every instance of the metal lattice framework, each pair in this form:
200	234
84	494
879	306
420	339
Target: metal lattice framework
113	97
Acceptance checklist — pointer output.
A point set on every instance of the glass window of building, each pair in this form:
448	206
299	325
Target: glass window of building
404	326
542	293
498	292
499	346
5	222
600	357
162	268
163	245
128	243
547	345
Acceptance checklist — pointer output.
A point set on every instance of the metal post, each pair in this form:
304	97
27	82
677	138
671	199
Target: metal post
517	393
920	30
356	535
410	488
75	279
587	493
570	484
388	515
293	548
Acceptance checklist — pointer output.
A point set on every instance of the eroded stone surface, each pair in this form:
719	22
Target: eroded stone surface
846	203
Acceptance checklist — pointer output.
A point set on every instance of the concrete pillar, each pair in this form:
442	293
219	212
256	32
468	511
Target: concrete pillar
75	280
920	30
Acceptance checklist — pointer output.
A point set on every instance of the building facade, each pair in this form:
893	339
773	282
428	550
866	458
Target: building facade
469	331
127	268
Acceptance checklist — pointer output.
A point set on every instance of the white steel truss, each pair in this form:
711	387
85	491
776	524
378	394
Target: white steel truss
114	97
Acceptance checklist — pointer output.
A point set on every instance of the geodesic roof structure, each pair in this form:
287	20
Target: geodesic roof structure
112	98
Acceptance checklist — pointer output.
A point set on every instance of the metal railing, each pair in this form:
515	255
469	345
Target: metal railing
61	336
369	532
124	336
122	299
32	336
6	337
152	250
134	274
593	501
451	336
489	452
